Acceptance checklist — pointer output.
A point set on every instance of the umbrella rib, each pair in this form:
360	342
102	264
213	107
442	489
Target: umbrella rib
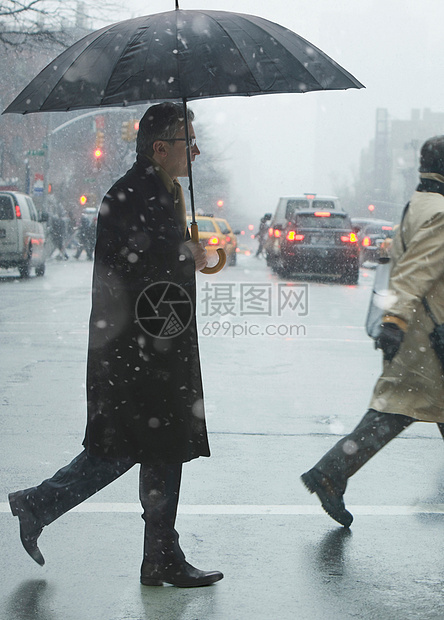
277	70
310	73
179	79
128	43
236	47
84	51
91	42
100	33
42	105
276	28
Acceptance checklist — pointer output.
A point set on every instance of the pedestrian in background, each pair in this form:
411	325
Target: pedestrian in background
411	387
145	397
262	233
58	233
86	236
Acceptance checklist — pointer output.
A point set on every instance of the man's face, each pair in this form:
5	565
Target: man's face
175	158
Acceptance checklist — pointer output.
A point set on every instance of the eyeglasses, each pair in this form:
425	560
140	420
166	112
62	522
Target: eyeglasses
191	142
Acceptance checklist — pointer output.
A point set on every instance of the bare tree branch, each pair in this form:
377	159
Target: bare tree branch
10	8
30	22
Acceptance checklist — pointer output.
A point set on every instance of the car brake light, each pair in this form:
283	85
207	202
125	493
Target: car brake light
227	239
366	242
292	236
277	233
270	232
322	213
18	213
351	238
213	241
386	228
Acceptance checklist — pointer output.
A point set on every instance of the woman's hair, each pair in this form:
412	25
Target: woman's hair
432	155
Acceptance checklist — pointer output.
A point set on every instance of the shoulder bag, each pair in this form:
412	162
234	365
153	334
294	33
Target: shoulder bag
376	309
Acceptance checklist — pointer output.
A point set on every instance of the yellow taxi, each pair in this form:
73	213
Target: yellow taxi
214	233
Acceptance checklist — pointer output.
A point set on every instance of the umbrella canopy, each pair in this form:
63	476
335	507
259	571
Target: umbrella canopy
181	55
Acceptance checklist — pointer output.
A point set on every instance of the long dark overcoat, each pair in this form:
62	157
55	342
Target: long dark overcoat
144	387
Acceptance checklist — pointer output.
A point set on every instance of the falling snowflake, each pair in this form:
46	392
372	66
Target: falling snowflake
198	409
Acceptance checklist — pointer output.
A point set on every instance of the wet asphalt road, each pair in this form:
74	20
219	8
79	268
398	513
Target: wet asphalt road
276	401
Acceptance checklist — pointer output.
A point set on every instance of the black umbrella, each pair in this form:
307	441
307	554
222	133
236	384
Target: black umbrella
181	55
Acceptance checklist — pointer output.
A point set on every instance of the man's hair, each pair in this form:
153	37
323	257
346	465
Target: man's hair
432	155
160	122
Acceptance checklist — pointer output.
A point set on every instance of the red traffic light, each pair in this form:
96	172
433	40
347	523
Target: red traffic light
220	203
371	207
98	153
83	199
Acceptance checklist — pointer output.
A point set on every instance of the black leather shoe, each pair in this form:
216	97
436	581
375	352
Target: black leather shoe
182	575
332	500
29	528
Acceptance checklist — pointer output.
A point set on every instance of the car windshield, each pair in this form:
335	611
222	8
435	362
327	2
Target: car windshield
6	212
308	220
378	230
224	228
205	225
295	205
323	205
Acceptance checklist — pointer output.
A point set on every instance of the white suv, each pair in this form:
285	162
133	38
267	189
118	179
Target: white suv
22	236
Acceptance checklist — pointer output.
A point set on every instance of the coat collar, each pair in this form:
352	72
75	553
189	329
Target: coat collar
153	167
431	182
432	176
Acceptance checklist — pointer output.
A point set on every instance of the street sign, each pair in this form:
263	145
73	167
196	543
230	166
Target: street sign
37	152
38	184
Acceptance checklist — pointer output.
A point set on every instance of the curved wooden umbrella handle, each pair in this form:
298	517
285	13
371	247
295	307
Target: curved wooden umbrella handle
222	256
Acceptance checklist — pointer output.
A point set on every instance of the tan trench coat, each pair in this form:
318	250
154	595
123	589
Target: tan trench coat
413	383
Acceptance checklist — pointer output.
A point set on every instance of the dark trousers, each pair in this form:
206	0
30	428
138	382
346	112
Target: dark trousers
373	432
159	487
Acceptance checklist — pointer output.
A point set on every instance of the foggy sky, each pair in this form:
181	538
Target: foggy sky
276	145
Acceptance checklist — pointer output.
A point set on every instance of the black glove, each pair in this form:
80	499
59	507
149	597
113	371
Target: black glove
389	340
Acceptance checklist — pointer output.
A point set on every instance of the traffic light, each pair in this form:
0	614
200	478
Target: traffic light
100	139
129	130
98	154
125	131
371	207
220	204
83	200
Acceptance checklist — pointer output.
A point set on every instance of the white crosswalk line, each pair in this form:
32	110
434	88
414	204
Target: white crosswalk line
257	509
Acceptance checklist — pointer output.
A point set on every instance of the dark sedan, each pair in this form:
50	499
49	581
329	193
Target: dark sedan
370	237
320	243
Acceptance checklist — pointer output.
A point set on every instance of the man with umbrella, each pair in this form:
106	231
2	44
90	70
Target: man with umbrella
145	398
144	386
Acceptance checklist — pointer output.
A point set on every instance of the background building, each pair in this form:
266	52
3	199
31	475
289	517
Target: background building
388	170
